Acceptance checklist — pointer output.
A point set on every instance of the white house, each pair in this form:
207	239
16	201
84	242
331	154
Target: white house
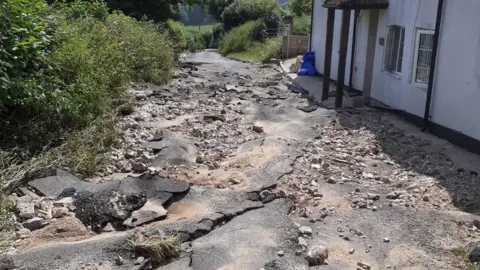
394	45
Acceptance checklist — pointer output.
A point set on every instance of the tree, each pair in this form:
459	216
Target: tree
300	7
242	11
157	10
217	7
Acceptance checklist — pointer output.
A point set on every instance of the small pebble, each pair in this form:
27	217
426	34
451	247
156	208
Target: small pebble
281	253
386	240
351	251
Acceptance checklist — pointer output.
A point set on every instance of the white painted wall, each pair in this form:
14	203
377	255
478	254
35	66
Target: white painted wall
318	44
456	94
398	91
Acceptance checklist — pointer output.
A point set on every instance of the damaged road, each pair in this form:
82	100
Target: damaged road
247	171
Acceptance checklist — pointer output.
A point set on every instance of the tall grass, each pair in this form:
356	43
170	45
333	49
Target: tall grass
239	39
260	51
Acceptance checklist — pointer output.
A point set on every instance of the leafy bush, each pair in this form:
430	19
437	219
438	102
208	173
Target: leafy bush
184	38
217	34
240	38
24	48
64	85
242	11
301	25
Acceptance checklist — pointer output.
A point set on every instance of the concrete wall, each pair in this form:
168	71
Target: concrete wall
398	90
456	94
293	46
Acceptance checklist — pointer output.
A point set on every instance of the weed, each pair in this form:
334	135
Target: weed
241	38
159	248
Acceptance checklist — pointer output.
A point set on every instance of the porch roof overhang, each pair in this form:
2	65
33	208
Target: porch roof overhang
356	4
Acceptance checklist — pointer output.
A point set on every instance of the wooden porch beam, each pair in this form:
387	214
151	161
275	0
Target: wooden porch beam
342	61
328	53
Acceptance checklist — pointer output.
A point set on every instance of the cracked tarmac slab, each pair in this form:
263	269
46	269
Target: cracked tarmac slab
248	241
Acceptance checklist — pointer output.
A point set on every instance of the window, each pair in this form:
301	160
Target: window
423	56
394	48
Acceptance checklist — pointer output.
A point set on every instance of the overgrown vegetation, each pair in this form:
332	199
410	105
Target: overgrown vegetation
301	25
242	37
260	51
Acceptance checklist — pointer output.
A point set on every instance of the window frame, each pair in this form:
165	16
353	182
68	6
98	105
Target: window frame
417	48
398	47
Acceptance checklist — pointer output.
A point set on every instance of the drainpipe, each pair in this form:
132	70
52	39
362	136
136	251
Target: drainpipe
311	25
426	120
354	42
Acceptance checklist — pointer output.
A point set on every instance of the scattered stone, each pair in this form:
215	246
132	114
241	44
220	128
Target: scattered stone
281	253
257	128
426	198
476	223
58	212
364	265
26	210
317	255
199	160
302	242
331	180
373	196
139	260
351	251
212	118
108	228
24	199
393	195
151	211
305	230
23	233
374	208
139	167
35	223
298	252
386	240
119	260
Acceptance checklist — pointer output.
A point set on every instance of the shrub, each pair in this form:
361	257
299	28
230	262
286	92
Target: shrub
176	31
301	25
240	38
242	11
25	45
64	85
217	34
183	38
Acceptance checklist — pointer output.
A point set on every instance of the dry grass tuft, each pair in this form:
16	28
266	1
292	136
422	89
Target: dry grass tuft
83	153
6	222
159	248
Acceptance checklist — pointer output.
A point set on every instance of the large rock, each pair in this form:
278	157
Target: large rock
151	211
36	223
98	209
26	210
474	252
317	255
53	186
